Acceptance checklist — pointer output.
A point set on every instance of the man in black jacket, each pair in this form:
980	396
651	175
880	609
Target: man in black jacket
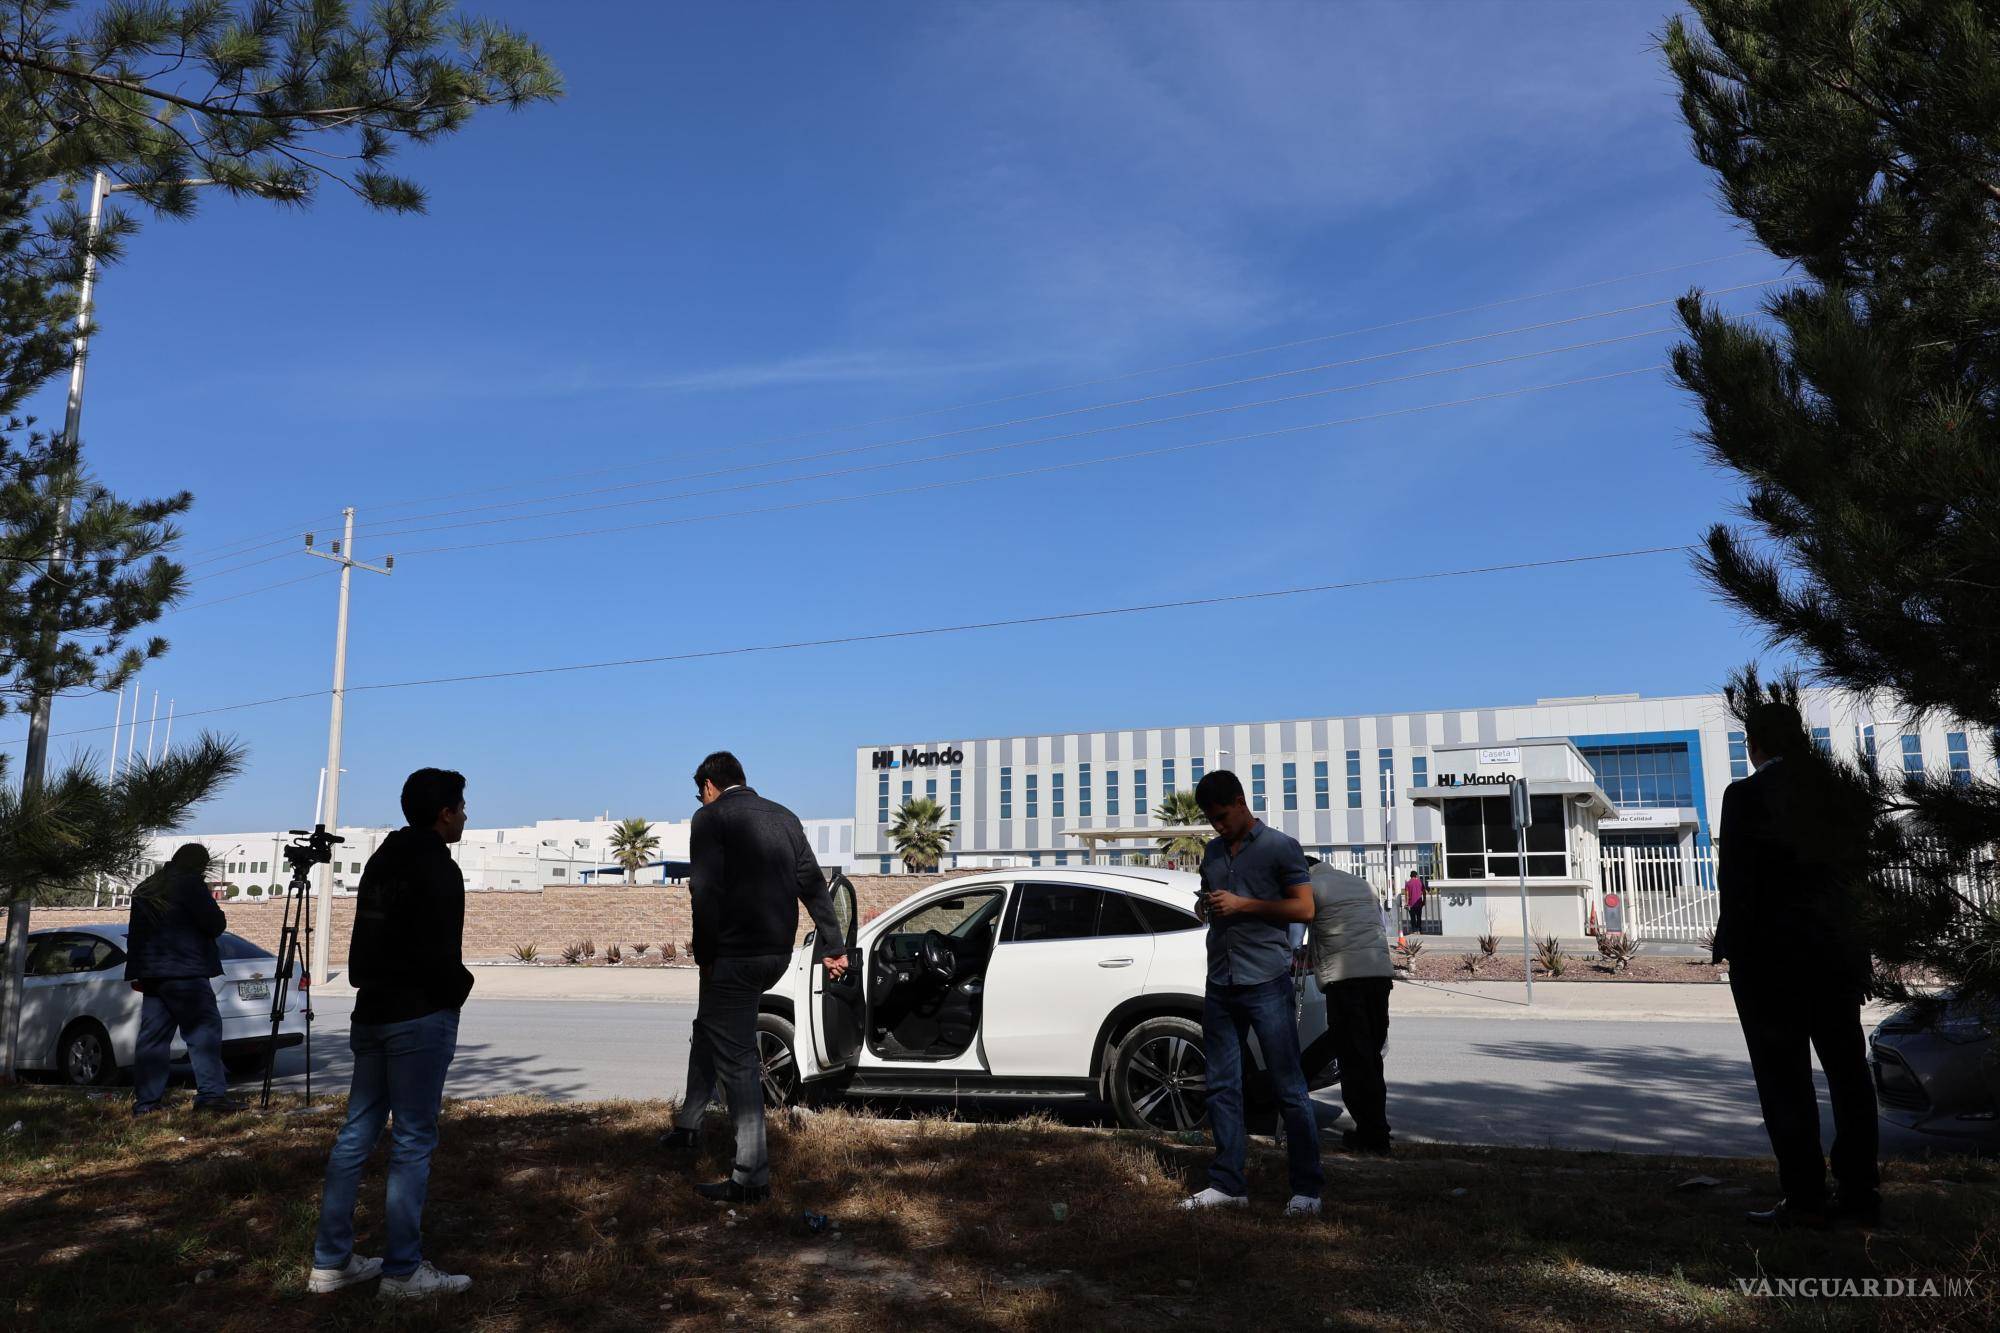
1789	874
171	959
407	965
751	868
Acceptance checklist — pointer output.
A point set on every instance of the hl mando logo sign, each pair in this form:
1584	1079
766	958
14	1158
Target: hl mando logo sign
914	758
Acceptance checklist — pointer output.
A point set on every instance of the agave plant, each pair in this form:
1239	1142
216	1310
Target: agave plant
614	955
527	953
572	953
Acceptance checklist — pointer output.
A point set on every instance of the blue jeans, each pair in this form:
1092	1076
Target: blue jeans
1229	1015
189	1005
399	1073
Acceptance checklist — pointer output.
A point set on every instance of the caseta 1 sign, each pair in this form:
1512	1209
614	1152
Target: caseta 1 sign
1510	755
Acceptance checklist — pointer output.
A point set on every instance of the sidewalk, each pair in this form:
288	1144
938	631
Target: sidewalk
517	981
1602	1001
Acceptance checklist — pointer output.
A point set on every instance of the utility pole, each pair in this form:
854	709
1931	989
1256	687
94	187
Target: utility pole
342	555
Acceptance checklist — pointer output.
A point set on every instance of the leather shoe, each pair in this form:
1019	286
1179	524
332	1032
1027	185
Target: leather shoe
1860	1208
681	1142
733	1191
1785	1213
1353	1140
221	1106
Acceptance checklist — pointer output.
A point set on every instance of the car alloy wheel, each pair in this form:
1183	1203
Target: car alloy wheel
776	1068
1166	1082
85	1056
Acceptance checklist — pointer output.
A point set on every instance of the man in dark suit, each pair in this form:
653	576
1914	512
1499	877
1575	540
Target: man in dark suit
1790	873
171	958
751	868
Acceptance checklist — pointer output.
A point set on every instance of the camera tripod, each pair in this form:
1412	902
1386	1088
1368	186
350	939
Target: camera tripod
294	940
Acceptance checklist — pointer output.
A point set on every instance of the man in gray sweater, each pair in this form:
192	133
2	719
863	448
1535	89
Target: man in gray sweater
1349	953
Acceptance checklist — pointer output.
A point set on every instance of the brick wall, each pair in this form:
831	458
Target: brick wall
549	917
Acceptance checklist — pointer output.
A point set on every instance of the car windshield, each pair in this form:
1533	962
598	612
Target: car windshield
235	946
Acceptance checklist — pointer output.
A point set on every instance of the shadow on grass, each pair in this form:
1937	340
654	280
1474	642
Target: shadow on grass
567	1217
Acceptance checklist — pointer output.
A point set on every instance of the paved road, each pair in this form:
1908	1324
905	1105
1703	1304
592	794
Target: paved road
1572	1083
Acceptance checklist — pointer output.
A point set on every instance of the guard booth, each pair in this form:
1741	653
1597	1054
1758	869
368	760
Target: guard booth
1478	888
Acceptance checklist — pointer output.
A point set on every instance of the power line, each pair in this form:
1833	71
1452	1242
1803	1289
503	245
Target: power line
1014	444
884	636
1160	396
277	535
1040	470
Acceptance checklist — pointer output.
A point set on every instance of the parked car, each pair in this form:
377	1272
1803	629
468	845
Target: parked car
80	1016
1937	1068
1039	984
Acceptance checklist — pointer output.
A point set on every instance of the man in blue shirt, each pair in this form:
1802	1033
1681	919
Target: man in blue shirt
1255	884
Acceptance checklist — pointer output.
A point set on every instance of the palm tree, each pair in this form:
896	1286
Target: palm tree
633	843
1180	809
920	834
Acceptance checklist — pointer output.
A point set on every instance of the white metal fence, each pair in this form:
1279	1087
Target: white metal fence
1665	893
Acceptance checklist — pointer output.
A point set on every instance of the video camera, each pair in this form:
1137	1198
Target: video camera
310	849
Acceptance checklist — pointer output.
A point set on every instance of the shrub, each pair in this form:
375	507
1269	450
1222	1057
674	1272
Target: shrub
589	947
1707	942
1407	951
613	954
1617	949
1470	962
642	948
527	953
1489	944
669	952
1550	957
572	953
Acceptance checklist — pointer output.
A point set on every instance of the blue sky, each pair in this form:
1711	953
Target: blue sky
749	228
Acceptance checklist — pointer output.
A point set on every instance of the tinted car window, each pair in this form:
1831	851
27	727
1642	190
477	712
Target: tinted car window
1057	912
65	955
1163	919
235	946
1120	916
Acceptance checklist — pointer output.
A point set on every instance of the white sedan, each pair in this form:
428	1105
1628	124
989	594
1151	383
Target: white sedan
1040	984
80	1016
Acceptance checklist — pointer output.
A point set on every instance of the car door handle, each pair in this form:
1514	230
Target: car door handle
1114	962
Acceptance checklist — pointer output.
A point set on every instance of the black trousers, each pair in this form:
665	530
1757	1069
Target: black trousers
722	1056
1785	1019
1357	1018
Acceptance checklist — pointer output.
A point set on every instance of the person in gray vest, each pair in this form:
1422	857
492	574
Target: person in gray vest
1349	952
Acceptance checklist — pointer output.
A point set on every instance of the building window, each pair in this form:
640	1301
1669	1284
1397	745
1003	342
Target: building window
1650	777
1291	787
1167	786
1959	756
1913	753
1354	779
1082	791
1385	770
1823	738
954	795
1034	858
1739	755
1864	745
1420	770
1056	795
1138	793
1257	788
1197	769
1479	839
885	865
557	872
882	798
1322	786
1032	812
1006	793
909	785
1111	792
930	790
1062	858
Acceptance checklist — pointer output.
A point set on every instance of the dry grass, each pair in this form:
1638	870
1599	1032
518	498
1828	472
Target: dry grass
563	1213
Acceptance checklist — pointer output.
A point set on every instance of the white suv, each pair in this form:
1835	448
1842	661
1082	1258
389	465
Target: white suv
1039	984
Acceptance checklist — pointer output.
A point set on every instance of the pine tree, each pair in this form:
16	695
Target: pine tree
1861	141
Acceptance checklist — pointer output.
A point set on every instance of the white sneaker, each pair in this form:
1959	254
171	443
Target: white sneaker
1212	1198
356	1270
426	1281
1302	1205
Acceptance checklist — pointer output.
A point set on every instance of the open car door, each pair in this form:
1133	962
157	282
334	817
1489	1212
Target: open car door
831	1018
